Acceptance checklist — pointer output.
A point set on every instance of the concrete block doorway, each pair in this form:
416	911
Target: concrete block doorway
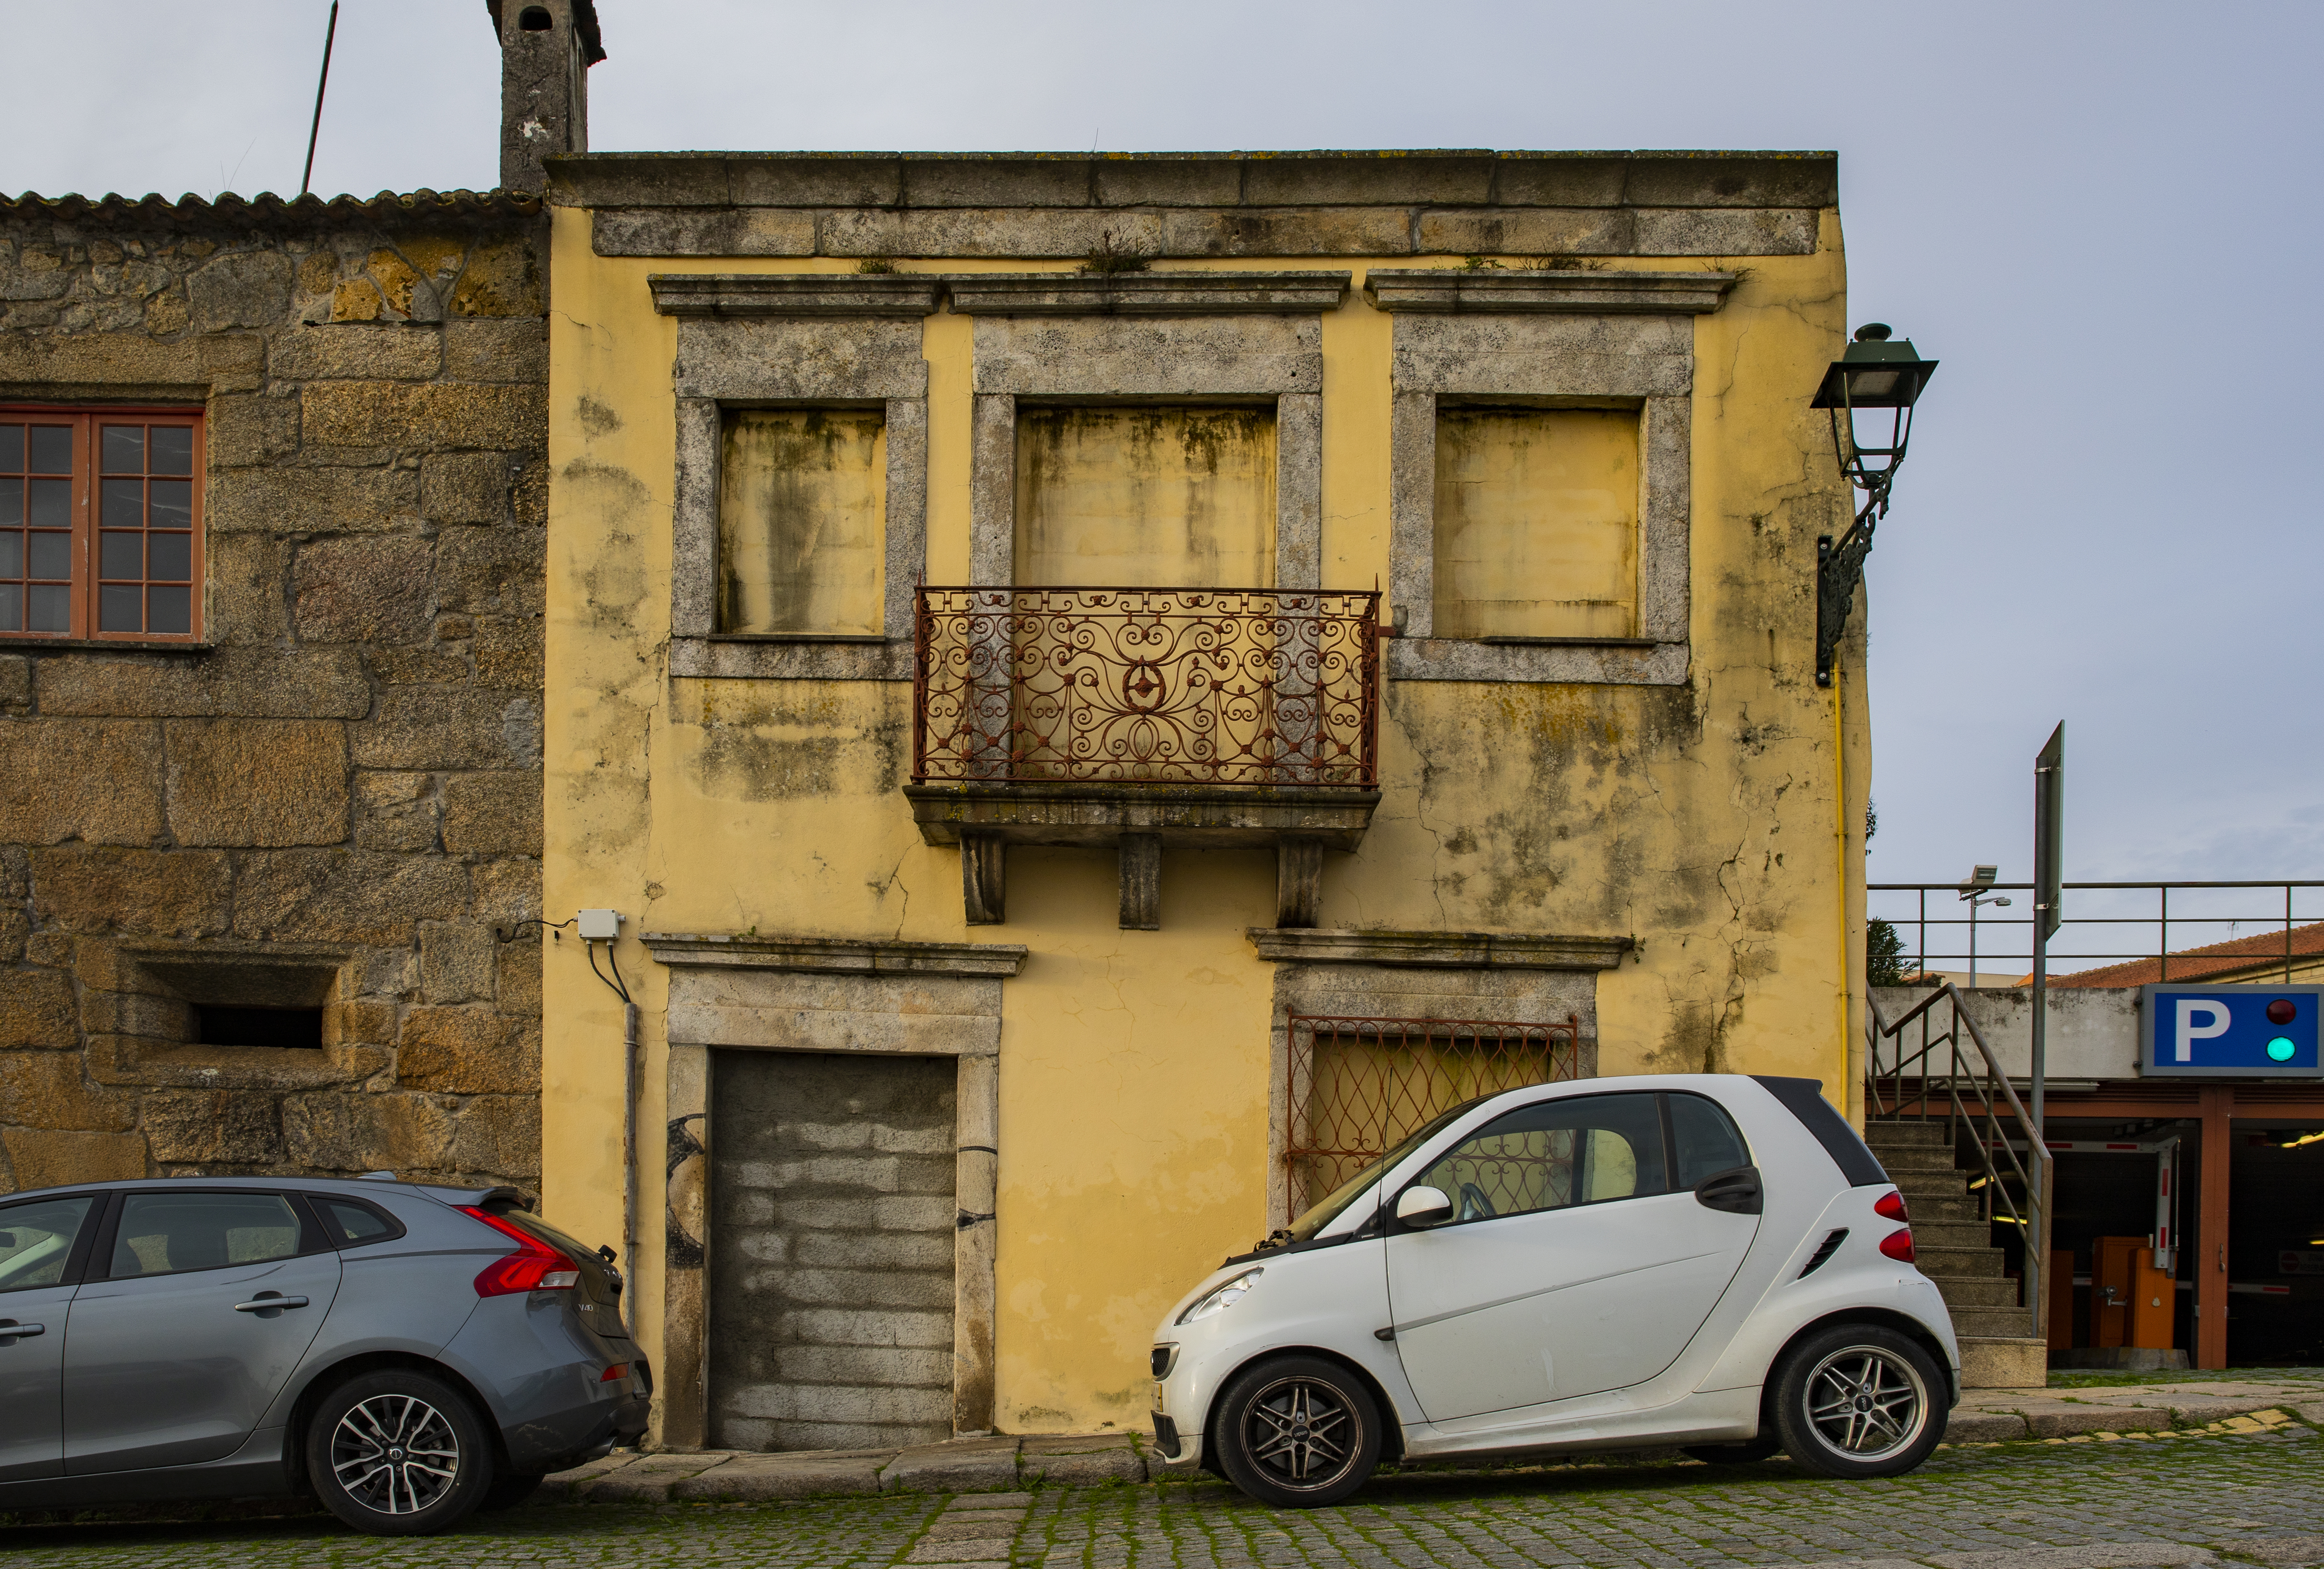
831	1274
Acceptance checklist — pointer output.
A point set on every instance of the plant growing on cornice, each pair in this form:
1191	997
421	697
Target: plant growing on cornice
875	264
1563	264
1480	264
1108	257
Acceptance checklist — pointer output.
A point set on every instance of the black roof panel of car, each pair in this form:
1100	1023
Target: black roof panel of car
1804	1098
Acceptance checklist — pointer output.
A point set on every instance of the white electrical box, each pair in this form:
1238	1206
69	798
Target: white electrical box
600	924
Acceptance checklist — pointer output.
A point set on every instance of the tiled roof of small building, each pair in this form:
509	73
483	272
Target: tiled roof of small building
267	208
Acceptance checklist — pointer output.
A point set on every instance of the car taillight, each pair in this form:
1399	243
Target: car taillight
618	1371
535	1266
1890	1207
1898	1245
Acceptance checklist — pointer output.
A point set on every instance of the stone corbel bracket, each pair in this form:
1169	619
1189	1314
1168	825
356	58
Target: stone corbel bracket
1146	293
1460	950
900	294
1512	292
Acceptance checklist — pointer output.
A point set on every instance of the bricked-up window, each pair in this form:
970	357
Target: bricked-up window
100	524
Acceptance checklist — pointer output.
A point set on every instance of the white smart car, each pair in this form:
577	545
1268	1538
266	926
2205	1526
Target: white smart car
1708	1260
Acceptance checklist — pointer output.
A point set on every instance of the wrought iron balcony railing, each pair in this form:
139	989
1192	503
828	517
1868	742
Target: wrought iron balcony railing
1243	687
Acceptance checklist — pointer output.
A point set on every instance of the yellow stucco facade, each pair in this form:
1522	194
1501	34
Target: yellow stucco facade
1710	822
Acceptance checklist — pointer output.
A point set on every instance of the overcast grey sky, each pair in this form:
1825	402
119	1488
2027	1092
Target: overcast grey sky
2090	214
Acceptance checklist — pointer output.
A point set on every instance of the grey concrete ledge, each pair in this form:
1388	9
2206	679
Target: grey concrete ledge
1094	815
803	659
1616	662
1429	177
1146	293
1458	950
794	294
1507	291
835	955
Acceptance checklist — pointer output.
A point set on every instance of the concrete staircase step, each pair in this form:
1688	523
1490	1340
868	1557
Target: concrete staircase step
1940	1208
1930	1234
1938	1183
1939	1262
1961	1291
2003	1361
1888	1135
1993	1322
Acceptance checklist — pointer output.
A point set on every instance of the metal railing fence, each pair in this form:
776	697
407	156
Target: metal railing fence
2111	924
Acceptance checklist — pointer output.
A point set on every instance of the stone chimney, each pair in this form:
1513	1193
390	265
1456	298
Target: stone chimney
546	48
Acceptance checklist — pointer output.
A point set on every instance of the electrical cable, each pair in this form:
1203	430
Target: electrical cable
615	985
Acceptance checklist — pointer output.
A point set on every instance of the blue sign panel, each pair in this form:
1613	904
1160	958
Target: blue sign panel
2229	1031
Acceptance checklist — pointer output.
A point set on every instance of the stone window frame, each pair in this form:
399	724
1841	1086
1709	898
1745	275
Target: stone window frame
1251	339
1520	338
787	341
1499	978
835	995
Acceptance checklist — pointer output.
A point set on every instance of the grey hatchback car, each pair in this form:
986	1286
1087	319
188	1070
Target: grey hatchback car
405	1354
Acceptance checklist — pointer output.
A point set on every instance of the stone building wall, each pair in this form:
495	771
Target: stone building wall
334	799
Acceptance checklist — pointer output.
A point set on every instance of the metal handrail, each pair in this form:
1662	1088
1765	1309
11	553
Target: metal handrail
2186	963
1886	1098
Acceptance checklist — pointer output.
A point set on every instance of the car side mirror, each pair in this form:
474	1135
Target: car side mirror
1424	1207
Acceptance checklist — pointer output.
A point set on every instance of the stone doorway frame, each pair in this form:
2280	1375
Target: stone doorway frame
839	995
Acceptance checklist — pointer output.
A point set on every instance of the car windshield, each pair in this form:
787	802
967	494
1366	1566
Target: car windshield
1336	1202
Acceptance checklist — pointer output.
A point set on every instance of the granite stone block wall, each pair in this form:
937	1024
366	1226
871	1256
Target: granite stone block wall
334	801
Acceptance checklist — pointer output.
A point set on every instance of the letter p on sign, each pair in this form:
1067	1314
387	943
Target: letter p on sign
2189	1032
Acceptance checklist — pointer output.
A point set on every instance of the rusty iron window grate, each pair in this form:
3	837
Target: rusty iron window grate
1360	1086
1146	686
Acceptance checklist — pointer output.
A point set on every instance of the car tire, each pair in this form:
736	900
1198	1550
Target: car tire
508	1492
1751	1453
399	1453
1859	1399
1296	1432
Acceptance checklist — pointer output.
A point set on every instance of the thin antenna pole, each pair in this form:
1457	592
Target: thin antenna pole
306	175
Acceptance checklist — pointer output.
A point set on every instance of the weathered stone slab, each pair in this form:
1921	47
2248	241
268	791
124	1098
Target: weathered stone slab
649	1479
1966	1427
251	683
99	782
257	781
2098	1555
49	1158
1083	1459
565	1485
701	232
2058	1422
2276	1549
962	1466
760	1478
349	351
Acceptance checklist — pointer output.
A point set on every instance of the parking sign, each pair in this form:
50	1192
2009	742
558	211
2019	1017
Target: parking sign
2229	1031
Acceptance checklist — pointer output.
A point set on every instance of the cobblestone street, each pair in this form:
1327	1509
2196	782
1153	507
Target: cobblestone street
2251	1489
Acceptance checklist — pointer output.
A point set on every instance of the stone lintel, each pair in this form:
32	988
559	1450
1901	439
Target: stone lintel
1096	816
839	955
1146	293
1509	291
1462	950
794	294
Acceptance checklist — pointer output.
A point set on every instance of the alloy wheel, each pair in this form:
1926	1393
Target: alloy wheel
1302	1432
1866	1402
395	1455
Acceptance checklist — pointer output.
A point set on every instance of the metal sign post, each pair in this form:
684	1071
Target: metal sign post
2049	826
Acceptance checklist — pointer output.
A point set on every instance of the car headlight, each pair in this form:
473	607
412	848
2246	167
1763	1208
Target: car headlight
1221	1297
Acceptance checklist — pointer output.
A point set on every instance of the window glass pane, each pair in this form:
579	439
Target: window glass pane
173	449
12	448
1555	1154
48	609
1152	497
36	1240
162	1233
173	504
52	449
125	449
351	1223
12	554
1708	1140
1536	522
52	502
12	503
123	504
51	555
802	531
117	555
169	558
120	610
171	610
12	607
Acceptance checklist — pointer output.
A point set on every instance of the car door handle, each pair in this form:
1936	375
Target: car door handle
11	1331
268	1299
1736	1192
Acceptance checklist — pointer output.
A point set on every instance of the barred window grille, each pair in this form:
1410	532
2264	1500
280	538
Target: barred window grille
1361	1085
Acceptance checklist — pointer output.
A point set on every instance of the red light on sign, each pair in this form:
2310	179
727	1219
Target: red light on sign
2282	1010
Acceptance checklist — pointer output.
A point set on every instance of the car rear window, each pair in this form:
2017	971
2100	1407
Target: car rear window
532	1224
351	1222
1804	1098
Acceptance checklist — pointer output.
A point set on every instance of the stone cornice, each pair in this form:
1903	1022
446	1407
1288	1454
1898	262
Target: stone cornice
836	955
1461	950
1508	292
1146	293
906	294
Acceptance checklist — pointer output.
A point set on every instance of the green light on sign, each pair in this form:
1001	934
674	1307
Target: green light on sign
2280	1050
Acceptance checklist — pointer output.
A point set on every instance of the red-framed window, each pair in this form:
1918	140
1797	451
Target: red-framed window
101	524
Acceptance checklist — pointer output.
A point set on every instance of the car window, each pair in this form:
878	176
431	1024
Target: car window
1335	1202
1552	1154
1704	1141
36	1240
350	1223
165	1233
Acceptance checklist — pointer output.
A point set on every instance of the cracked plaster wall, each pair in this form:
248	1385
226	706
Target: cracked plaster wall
1701	820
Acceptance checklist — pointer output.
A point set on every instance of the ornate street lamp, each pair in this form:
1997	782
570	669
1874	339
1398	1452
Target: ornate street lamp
1875	373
